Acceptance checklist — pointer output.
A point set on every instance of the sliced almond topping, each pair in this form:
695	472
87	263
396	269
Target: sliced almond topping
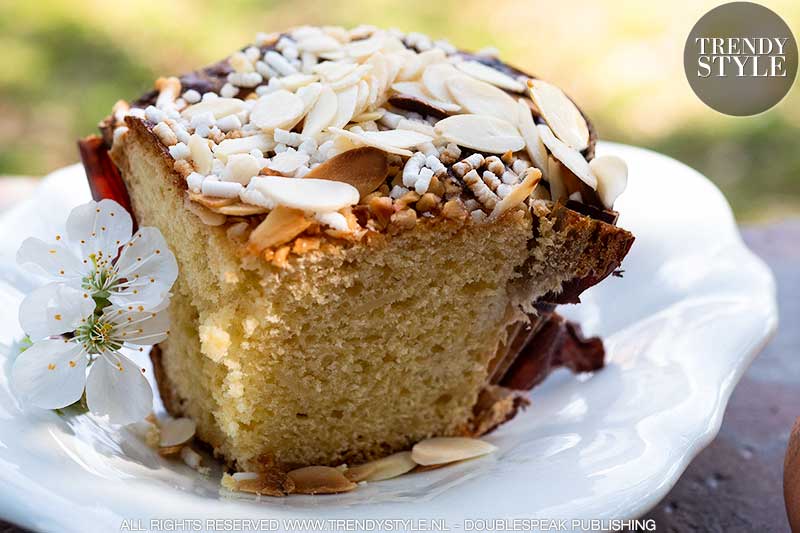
440	450
279	109
612	177
243	145
281	225
416	90
490	75
271	483
345	106
481	98
201	154
241	167
385	468
376	142
561	114
211	202
364	168
519	193
398	138
319	480
555	177
207	217
286	163
307	194
176	432
533	143
219	107
322	113
571	158
481	132
239	210
435	77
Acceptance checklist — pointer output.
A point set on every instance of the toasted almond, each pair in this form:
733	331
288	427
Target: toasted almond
488	74
281	225
481	98
423	107
533	142
243	145
211	202
219	107
455	210
364	168
307	194
417	90
240	209
271	483
176	432
206	216
319	480
170	451
435	77
322	113
440	450
570	157
278	109
385	468
563	117
481	132
612	177
558	190
286	163
519	193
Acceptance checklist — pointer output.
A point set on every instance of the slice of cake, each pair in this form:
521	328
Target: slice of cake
372	230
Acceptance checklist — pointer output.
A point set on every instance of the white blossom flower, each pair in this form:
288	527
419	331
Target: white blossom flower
52	373
90	259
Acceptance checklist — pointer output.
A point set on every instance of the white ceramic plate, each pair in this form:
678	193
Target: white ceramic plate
693	310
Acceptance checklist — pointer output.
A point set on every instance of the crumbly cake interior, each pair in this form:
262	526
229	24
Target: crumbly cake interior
311	332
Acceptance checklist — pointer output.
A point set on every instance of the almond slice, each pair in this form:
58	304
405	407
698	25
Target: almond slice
277	110
481	132
612	177
555	178
345	106
481	98
385	468
440	450
571	158
435	77
398	138
176	432
561	114
211	202
240	209
322	113
243	145
286	163
271	483
307	194
219	107
364	168
416	90
519	193
533	142
488	74
201	154
375	142
281	226
319	480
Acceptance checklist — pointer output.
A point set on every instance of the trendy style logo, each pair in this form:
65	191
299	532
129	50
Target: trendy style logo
740	58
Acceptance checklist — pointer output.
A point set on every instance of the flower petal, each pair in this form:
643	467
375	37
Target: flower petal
116	387
54	309
139	326
53	260
50	374
150	268
99	228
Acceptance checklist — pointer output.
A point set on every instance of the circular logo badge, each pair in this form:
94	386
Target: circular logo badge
740	58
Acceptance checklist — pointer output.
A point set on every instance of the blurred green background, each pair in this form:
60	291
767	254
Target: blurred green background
64	64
